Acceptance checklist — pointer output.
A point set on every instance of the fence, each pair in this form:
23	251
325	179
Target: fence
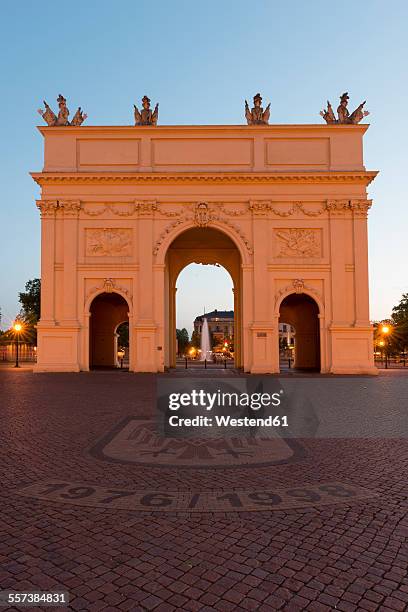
26	352
391	362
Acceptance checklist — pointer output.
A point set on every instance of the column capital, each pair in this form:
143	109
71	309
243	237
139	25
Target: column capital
360	207
70	208
47	208
337	208
146	208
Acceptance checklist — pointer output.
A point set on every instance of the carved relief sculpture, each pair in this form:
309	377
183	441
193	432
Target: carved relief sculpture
146	116
343	112
202	215
257	115
52	120
298	243
108	242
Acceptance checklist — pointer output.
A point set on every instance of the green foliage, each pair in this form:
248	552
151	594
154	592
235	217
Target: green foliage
30	300
400	324
195	340
123	335
182	340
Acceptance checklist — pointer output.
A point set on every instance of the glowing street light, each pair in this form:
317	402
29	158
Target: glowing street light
386	329
17	327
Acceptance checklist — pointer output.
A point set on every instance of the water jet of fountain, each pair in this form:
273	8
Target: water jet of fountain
205	342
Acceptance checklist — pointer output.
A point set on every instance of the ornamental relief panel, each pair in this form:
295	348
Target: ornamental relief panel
298	243
113	242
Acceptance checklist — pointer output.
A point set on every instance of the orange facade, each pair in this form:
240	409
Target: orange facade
282	207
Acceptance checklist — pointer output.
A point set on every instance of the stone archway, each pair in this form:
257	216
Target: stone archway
206	245
108	311
302	312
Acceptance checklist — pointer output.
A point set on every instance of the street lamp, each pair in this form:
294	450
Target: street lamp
121	354
386	329
17	329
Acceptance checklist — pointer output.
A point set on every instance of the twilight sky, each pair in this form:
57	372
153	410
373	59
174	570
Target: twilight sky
200	60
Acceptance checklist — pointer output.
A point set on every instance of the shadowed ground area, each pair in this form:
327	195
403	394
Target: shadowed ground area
90	507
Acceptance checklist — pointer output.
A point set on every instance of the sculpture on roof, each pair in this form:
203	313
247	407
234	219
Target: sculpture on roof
52	119
257	115
146	116
343	112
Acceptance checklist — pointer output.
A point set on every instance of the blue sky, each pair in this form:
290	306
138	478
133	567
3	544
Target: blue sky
200	60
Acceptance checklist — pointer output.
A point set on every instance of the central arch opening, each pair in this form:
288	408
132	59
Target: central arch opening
215	249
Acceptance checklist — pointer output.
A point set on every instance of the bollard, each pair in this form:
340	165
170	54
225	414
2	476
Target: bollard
121	363
289	363
225	364
205	364
186	363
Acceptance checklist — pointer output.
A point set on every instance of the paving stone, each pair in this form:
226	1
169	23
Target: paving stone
351	554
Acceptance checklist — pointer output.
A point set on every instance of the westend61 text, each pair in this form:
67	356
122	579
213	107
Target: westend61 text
208	401
228	421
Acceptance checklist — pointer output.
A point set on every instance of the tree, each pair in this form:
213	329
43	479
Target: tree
182	340
30	300
400	322
196	339
123	335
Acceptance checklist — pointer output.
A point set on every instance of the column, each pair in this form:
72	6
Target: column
247	315
145	326
48	209
159	301
262	325
71	210
337	218
360	256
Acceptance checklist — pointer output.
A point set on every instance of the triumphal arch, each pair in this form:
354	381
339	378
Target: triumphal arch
282	207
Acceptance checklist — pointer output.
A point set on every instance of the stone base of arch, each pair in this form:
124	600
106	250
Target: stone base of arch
351	350
58	348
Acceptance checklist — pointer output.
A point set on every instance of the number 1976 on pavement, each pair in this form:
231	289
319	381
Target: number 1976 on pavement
196	501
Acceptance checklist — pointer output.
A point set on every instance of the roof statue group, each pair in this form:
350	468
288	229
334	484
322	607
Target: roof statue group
254	116
343	112
62	119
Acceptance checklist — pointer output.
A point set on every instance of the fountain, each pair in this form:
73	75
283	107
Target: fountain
205	341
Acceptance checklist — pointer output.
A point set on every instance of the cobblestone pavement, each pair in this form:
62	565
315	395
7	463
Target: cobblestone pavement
349	555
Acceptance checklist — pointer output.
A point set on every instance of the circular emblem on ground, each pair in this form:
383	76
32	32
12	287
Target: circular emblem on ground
137	441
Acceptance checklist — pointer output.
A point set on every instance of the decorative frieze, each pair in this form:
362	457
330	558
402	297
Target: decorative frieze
296	242
113	242
267	207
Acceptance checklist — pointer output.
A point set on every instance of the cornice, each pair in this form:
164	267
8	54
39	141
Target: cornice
106	178
239	128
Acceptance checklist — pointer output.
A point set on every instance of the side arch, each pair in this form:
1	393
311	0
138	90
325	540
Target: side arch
290	289
93	293
302	311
